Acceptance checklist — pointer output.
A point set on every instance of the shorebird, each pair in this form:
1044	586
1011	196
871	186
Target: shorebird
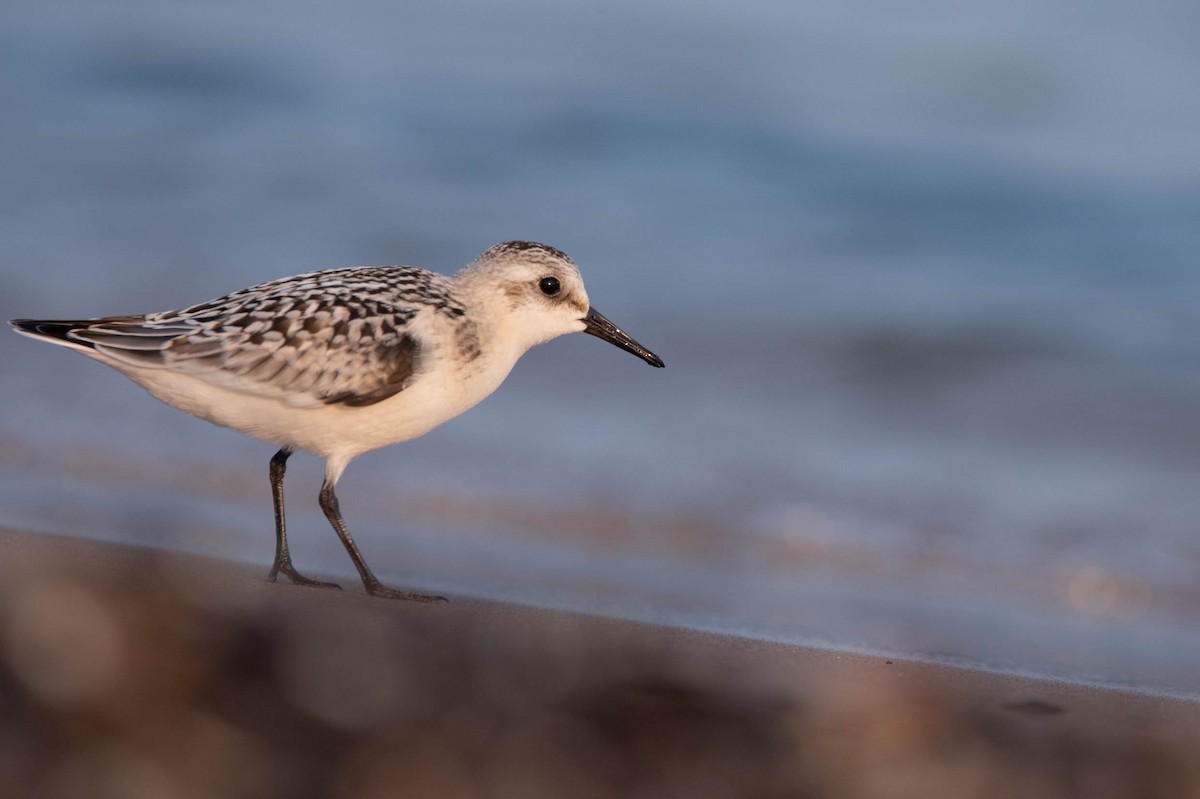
343	361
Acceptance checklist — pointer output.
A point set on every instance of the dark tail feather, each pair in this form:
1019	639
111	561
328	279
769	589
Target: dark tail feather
53	329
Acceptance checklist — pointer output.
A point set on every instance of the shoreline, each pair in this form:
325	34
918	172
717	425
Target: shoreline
126	659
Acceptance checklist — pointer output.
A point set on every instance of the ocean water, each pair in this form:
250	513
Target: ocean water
924	277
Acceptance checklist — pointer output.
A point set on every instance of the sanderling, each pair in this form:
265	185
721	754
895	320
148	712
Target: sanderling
343	361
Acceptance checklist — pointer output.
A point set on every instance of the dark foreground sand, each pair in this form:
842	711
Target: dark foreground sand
137	673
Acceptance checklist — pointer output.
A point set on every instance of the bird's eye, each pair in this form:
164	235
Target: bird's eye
549	286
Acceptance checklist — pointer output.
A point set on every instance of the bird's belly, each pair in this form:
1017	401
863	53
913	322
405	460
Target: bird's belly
328	430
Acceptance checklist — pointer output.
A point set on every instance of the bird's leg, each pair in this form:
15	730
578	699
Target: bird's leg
283	558
329	504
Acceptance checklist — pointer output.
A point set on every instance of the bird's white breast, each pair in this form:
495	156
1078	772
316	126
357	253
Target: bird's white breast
444	388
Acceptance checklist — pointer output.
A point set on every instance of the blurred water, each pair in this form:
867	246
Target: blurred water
924	278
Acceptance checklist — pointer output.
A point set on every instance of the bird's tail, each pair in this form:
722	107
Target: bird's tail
56	331
59	331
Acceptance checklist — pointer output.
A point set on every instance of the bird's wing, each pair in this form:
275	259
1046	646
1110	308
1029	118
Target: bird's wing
341	336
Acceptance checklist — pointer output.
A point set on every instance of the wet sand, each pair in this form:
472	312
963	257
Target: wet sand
137	672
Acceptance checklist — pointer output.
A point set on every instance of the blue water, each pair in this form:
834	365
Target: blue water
925	280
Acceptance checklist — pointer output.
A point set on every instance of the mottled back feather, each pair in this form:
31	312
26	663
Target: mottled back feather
340	336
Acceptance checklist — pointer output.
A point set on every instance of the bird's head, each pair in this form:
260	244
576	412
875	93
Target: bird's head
537	293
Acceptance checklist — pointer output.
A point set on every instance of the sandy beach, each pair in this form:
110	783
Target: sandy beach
134	672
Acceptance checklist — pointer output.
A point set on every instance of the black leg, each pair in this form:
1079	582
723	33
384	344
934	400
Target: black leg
329	504
283	558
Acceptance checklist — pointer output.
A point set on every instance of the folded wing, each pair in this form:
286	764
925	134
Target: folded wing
304	343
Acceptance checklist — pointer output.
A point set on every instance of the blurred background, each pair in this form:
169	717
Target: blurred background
924	277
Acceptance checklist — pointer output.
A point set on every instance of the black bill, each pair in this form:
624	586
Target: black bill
597	325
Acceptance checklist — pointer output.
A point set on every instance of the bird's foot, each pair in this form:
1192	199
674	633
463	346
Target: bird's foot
299	579
380	590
